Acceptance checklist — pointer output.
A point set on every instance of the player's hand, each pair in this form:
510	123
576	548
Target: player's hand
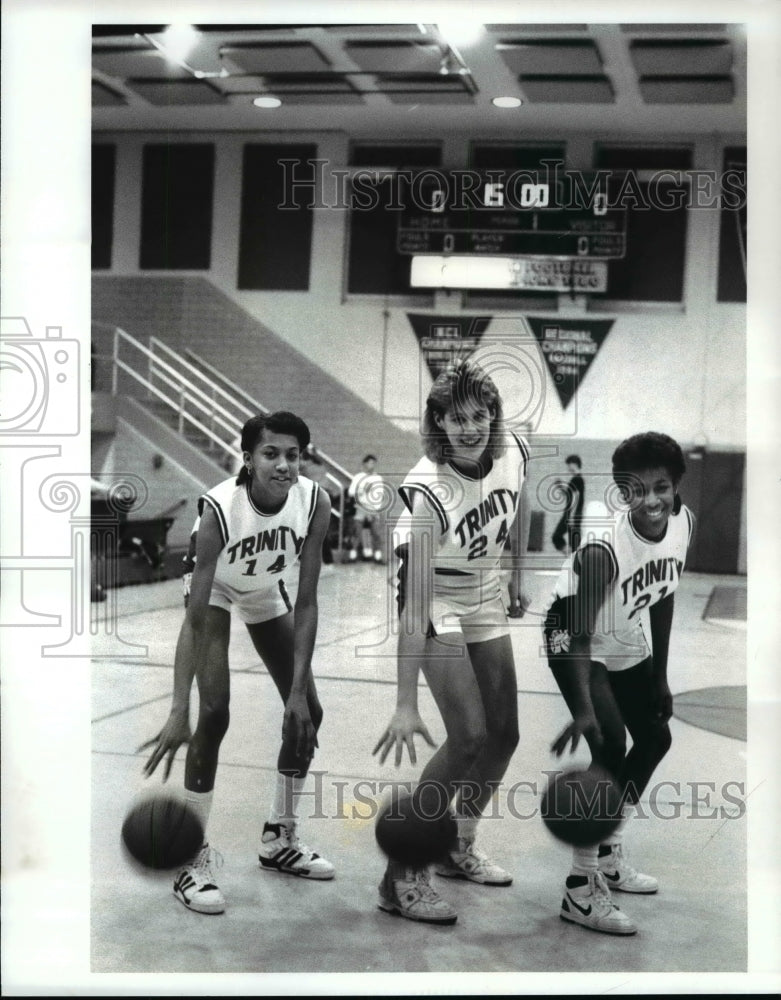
583	725
400	733
663	703
298	728
519	600
174	733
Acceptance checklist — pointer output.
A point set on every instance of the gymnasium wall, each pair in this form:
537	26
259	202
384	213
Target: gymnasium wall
675	366
680	366
168	482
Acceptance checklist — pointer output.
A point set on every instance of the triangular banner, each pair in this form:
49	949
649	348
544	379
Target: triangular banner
444	339
569	346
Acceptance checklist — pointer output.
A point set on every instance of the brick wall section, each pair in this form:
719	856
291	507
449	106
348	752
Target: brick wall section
191	312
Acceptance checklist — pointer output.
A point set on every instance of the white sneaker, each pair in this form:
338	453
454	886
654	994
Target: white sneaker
408	892
194	885
622	876
590	904
471	863
282	851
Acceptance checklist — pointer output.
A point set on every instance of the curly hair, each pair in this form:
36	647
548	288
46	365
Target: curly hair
281	422
650	450
459	385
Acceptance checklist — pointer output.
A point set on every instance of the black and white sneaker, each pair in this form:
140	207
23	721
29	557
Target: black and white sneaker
282	851
194	885
587	901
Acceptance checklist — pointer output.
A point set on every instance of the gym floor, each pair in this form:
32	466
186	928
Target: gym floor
693	835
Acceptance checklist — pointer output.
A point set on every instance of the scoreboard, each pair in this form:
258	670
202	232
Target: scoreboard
511	214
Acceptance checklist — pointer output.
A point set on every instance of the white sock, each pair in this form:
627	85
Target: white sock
617	836
585	860
467	827
201	804
284	805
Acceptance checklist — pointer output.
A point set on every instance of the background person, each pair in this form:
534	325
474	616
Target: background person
567	533
365	496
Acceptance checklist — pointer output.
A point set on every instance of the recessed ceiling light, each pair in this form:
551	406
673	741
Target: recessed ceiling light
179	40
506	102
267	102
462	30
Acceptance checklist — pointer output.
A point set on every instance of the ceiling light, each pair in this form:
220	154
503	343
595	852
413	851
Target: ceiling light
267	102
178	41
461	30
506	102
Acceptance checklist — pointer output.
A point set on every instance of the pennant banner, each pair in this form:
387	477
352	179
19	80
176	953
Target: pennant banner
444	339
569	346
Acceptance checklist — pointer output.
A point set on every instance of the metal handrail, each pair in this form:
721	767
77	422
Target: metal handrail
230	424
187	392
247	412
183	415
211	404
217	375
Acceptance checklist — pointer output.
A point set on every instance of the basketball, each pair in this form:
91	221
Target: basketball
411	839
581	807
162	831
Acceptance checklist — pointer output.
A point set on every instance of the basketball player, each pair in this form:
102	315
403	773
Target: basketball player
254	533
610	677
463	500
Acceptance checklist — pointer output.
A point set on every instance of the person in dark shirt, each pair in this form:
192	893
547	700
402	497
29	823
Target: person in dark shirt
568	529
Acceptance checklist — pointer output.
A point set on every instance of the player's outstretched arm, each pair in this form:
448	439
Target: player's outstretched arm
296	716
660	616
413	626
190	649
519	544
573	675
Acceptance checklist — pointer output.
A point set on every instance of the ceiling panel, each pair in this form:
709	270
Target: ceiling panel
182	92
103	96
402	57
686	90
275	57
532	29
408	80
674	28
568	89
421	97
698	56
546	57
373	30
138	63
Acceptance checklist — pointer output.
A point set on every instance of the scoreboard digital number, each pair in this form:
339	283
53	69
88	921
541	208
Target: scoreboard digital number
467	212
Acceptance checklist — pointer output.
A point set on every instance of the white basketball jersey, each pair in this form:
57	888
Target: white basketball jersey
475	515
259	549
644	572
